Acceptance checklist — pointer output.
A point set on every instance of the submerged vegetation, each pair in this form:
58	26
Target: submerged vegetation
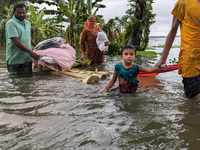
162	46
147	54
114	50
173	61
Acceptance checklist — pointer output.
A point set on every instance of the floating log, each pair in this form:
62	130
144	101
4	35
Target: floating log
101	75
85	78
88	77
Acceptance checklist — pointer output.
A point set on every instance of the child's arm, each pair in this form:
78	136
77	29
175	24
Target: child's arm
110	83
152	69
145	69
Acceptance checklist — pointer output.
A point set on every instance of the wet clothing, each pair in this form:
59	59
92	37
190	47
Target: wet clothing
88	41
128	81
14	56
15	28
188	13
25	68
191	86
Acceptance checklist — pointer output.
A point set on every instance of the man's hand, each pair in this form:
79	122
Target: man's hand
34	56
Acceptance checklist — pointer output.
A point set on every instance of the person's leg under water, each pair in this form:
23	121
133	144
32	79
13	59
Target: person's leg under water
191	86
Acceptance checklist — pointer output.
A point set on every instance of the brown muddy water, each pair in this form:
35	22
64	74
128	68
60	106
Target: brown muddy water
54	112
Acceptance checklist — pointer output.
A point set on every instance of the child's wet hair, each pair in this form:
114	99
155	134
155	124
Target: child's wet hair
128	47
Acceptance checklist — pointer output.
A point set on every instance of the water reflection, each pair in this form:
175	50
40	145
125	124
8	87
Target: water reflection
190	123
58	112
150	82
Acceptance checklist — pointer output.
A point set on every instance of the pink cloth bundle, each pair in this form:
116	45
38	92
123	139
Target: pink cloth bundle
64	56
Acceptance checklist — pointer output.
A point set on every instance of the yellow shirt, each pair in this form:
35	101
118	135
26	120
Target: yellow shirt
188	13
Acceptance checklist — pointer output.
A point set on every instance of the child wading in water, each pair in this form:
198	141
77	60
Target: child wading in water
127	72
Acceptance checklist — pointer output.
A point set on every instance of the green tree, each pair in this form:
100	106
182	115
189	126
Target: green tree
114	29
7	3
4	18
41	28
139	19
75	12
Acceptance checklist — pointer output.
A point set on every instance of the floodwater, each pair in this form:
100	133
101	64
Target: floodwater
55	112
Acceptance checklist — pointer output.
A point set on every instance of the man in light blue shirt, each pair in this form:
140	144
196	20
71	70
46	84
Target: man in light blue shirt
18	42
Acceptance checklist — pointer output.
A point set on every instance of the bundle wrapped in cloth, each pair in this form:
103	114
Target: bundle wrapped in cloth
101	39
49	43
58	57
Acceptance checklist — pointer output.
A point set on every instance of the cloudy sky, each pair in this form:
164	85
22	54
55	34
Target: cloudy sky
162	9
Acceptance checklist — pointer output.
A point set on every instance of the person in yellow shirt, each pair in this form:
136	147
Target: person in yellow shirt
186	14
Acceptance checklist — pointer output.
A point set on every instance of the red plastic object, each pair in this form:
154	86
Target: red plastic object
170	68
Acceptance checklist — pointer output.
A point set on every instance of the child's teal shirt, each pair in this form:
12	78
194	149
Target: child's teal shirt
129	75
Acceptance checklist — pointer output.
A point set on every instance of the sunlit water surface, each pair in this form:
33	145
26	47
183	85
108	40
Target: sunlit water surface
58	112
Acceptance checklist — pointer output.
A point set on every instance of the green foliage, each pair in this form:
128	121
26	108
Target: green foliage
139	19
159	46
43	1
173	61
114	49
76	12
5	17
175	46
150	48
41	28
147	54
3	20
8	3
162	46
114	29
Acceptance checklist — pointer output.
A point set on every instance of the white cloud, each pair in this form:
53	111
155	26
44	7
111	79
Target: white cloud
114	8
162	9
